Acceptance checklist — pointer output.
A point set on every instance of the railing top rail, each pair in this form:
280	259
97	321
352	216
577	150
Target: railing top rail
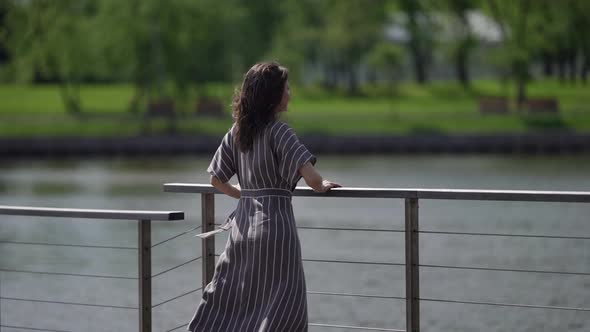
91	214
458	194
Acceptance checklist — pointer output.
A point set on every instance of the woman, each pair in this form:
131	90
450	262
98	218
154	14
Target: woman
258	283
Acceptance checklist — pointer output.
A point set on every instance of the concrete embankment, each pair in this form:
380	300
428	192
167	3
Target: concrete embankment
539	143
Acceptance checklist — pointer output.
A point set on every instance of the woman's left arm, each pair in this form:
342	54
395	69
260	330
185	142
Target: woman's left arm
225	187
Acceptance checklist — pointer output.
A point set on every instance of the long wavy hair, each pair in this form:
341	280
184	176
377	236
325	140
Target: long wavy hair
255	102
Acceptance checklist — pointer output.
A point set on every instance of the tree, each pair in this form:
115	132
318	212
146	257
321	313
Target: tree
514	19
51	40
420	41
4	9
168	48
296	41
466	42
333	34
565	28
385	57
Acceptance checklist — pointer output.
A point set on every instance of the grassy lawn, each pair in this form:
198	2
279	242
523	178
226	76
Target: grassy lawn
440	107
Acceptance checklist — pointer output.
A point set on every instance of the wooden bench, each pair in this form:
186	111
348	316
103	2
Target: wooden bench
493	105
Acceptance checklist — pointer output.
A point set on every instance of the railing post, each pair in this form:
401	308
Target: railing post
145	275
0	301
208	249
412	266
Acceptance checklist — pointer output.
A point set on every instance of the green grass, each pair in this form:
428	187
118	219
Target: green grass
440	107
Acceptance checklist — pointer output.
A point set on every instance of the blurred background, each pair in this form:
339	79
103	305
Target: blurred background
103	101
107	67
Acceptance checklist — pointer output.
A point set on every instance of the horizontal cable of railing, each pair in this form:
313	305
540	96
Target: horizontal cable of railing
69	274
177	297
449	194
503	269
178	327
347	327
30	328
67	303
176	236
357	295
67	245
352	229
499	304
347	229
352	262
444	266
176	267
346	262
90	213
540	236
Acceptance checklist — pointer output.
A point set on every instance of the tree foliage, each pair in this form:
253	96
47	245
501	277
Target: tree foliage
169	48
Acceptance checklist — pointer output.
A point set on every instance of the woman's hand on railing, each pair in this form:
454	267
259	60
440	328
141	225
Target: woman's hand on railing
315	180
327	185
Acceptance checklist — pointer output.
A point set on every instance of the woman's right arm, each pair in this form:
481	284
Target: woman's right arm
225	187
315	180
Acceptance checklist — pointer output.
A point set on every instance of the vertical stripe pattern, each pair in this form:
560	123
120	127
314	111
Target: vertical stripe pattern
259	282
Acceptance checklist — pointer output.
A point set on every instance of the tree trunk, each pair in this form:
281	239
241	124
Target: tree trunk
4	56
572	65
462	56
461	67
70	95
547	64
329	81
521	66
138	96
520	93
585	68
353	87
561	65
415	43
419	62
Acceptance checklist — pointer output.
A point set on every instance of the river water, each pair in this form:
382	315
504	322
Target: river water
137	184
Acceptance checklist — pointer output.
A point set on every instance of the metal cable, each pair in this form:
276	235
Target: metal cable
176	297
70	274
510	235
68	303
505	270
356	327
325	325
352	229
358	295
507	304
177	266
175	236
352	262
346	262
67	245
30	328
176	328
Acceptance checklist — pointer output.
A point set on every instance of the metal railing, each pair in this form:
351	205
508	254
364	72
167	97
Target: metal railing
411	231
143	249
412	264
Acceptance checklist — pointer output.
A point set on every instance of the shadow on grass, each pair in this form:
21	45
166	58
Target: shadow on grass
545	122
424	130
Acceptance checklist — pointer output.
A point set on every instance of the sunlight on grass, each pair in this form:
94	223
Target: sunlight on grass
440	107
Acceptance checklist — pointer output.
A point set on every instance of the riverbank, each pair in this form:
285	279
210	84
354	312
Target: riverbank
538	143
441	107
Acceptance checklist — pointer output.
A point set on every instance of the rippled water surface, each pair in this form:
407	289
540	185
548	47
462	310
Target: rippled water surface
137	184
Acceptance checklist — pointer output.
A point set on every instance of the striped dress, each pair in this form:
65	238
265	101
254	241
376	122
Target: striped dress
258	283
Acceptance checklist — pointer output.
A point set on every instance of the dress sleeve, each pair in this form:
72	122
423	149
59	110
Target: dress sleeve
222	165
291	153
